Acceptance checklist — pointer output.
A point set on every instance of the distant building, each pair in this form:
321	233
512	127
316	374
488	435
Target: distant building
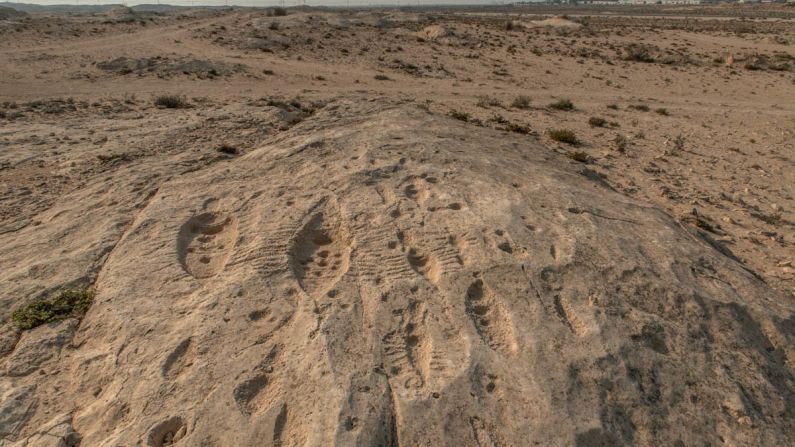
661	2
642	2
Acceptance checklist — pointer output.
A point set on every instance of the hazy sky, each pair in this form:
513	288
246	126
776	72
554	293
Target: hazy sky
258	3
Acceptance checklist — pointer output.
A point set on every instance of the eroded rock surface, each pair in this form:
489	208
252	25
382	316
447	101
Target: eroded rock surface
37	346
379	275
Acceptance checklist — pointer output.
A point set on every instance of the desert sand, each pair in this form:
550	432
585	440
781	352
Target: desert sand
474	226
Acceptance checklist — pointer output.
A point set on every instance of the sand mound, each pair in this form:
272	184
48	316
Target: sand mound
382	276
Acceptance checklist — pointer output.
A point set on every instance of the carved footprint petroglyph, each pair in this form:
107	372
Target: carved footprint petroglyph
417	190
491	318
205	242
260	390
432	254
320	252
179	359
407	349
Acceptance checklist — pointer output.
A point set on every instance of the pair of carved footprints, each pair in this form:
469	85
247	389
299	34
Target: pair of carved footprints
318	254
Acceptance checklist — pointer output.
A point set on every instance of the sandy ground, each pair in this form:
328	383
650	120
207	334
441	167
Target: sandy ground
686	110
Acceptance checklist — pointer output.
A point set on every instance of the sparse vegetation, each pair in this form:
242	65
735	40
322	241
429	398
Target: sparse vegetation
521	102
227	149
517	128
459	115
596	121
638	53
679	143
171	102
488	101
563	136
110	158
562	104
621	143
381	77
579	156
63	304
499	119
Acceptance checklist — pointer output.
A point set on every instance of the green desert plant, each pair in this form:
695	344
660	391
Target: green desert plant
61	305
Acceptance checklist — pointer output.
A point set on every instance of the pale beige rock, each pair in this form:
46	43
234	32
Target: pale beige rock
304	256
37	346
16	407
56	433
